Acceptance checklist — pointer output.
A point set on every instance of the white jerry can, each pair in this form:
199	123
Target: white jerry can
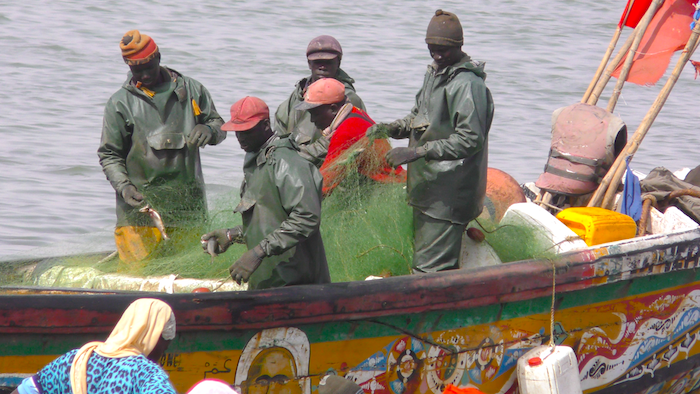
549	370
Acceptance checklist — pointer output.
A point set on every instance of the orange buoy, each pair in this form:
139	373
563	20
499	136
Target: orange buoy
201	290
502	191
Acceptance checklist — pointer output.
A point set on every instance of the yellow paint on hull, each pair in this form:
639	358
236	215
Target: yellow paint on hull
482	355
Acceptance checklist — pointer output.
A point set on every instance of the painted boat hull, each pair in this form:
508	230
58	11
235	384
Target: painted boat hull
630	310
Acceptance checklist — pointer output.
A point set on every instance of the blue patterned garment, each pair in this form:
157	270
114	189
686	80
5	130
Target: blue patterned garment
126	375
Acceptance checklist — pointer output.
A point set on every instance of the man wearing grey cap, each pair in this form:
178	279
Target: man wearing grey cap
324	54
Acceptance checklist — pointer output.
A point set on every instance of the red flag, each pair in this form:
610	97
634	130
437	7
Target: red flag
697	68
639	8
667	33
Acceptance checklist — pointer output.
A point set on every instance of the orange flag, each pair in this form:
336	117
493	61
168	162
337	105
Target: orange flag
667	33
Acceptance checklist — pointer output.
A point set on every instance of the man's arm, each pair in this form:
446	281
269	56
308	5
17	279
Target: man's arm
208	115
114	147
316	151
298	185
282	117
470	108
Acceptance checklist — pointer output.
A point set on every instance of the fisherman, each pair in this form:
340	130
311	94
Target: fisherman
127	362
280	205
447	150
345	125
153	128
323	54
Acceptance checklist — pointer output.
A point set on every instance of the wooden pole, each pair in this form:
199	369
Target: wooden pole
642	27
600	85
604	195
608	53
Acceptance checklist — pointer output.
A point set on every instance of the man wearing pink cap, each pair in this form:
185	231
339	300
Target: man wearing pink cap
345	125
280	205
323	54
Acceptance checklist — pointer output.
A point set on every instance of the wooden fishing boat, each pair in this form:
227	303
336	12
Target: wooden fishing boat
629	309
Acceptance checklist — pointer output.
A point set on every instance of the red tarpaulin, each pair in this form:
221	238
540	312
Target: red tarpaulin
668	32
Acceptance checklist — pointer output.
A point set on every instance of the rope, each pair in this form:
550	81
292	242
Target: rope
551	318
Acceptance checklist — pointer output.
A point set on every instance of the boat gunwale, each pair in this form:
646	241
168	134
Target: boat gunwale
346	301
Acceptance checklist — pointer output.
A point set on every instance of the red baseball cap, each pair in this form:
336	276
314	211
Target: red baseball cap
323	91
246	113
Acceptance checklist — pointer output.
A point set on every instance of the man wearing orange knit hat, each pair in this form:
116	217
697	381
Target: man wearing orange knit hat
153	128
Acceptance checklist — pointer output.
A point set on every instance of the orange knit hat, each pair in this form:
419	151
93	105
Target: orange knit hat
137	48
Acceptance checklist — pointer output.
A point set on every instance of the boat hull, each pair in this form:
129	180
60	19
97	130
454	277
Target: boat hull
630	311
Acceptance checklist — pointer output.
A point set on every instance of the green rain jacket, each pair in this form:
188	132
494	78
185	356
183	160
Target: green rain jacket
312	144
146	146
451	122
281	210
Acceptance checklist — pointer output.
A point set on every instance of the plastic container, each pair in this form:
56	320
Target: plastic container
672	220
546	370
597	225
547	232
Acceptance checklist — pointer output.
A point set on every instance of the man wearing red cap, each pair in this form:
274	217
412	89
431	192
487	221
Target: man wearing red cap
447	152
345	125
153	128
323	54
280	205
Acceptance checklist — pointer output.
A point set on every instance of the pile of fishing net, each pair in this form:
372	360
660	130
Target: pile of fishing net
366	227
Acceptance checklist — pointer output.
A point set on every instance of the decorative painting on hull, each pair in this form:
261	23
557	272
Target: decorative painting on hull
652	333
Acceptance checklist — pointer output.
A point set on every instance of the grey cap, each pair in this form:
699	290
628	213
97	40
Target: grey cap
324	48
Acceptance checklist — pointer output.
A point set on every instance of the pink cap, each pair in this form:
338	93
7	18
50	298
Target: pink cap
246	113
324	91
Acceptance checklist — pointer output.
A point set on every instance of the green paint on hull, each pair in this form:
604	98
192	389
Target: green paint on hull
202	341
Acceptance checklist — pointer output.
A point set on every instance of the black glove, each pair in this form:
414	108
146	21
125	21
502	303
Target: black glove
224	238
382	131
132	196
245	266
398	156
200	135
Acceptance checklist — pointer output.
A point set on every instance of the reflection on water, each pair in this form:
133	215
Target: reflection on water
61	62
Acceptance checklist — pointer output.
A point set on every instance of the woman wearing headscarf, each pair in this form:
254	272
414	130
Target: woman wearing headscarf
125	363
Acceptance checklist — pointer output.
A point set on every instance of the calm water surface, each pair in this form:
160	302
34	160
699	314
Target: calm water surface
60	63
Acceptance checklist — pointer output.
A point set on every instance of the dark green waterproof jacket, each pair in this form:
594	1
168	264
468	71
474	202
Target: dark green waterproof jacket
288	121
451	121
145	145
281	210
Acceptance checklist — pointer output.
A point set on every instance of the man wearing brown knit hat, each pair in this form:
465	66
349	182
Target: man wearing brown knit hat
323	54
153	128
448	147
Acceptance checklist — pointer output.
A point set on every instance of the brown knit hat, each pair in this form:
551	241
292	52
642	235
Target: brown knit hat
444	29
137	48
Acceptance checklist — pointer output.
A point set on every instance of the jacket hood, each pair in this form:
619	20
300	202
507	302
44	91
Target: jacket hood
465	63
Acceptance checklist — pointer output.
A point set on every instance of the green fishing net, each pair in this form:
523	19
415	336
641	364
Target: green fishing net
366	227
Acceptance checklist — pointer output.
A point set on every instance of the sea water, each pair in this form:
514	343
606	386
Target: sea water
60	63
